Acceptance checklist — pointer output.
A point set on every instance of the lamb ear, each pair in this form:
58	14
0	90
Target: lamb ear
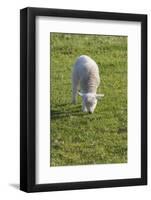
99	96
81	94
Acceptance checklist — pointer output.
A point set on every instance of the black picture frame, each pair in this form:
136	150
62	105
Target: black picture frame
28	99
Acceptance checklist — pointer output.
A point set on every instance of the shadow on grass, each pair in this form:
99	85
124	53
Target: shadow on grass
62	105
71	112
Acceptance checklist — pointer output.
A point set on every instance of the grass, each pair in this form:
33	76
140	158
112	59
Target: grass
79	138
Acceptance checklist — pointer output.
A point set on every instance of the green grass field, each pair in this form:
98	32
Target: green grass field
79	138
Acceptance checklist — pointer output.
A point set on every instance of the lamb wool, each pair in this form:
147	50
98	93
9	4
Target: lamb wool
86	75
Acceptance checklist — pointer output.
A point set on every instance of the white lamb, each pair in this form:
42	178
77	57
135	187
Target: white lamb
86	72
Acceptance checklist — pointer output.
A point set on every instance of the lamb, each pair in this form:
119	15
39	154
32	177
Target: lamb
86	72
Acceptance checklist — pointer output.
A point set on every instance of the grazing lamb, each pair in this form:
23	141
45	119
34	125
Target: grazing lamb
86	72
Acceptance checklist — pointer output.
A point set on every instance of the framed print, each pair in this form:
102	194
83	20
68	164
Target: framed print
83	99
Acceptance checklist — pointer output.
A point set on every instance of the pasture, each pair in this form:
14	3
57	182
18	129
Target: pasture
79	138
